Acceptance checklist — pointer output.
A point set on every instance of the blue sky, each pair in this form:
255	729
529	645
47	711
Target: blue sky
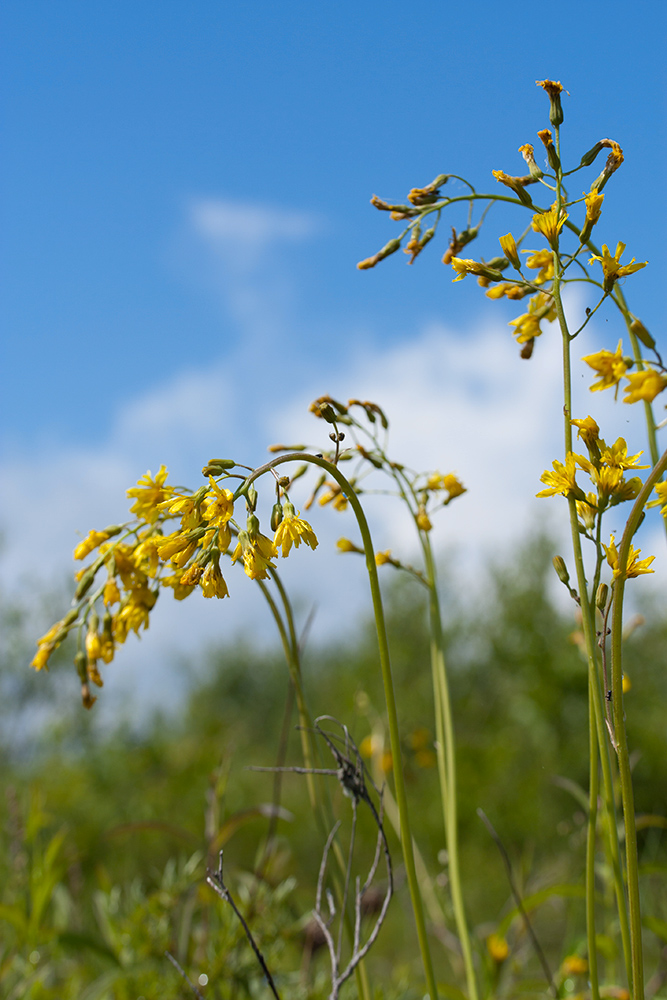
119	116
186	192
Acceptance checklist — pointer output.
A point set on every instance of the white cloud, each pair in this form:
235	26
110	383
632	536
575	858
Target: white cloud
244	232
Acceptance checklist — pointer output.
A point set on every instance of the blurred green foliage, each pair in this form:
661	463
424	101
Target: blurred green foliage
106	836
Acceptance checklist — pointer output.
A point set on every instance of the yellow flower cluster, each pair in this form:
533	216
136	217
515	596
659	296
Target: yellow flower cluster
145	558
605	466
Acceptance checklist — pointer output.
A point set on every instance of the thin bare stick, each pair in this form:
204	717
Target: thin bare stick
183	973
215	880
519	902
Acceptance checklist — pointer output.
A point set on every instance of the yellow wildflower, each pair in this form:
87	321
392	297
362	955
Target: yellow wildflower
149	493
608	480
610	367
345	545
550	224
134	614
111	594
617	456
544	260
612	268
293	530
172	546
562	480
593	202
587	510
508	289
644	385
192	576
120	559
627	490
453	485
661	501
146	556
497	948
527	327
626	684
423	520
463	267
220	505
587	430
85	547
573	965
181	591
508	245
382	557
188	507
256	553
213	583
635	566
334	496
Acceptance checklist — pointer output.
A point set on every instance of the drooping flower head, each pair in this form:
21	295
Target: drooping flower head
293	530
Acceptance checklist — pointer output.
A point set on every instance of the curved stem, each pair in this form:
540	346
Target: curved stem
620	730
392	715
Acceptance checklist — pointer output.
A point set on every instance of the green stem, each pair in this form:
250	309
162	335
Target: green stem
447	767
590	848
588	624
620	733
295	676
317	802
392	716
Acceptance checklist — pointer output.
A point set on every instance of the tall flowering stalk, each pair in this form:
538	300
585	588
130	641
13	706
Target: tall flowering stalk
565	254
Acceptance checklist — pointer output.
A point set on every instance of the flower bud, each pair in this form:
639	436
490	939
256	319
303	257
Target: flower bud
601	597
642	334
276	515
252	526
327	413
251	497
80	662
561	570
216	466
85	583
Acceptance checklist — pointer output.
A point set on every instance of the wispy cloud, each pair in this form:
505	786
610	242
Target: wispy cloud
243	232
237	250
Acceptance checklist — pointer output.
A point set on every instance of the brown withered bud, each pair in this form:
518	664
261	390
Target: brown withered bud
397	211
614	160
427	195
458	242
86	697
548	142
527	349
554	89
